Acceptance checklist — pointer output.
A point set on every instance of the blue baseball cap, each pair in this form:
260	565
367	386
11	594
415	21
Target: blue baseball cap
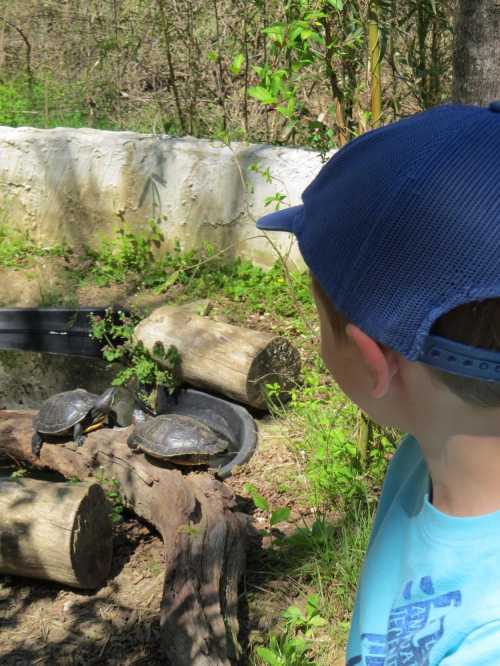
403	224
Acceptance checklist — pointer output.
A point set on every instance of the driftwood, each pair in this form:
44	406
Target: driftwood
56	531
204	539
230	360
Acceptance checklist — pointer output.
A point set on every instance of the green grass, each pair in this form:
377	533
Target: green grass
47	102
337	468
18	250
139	258
323	559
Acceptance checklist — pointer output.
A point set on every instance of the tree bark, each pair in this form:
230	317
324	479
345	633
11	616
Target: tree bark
230	360
204	539
55	531
476	53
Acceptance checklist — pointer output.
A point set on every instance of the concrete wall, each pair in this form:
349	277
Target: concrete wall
68	184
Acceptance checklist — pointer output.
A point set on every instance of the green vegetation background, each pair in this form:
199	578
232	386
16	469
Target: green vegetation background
280	71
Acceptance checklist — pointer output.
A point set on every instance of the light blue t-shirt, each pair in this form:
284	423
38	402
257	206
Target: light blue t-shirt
429	591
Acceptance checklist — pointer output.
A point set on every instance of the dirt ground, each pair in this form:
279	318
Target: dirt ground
46	623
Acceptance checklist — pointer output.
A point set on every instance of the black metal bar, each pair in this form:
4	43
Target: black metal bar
50	330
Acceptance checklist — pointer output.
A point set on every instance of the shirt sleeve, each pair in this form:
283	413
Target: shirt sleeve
479	648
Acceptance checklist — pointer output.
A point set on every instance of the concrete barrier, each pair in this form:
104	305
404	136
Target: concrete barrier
69	184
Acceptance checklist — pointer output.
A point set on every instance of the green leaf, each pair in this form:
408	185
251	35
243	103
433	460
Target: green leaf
236	65
260	502
280	515
296	647
338	4
294	615
262	95
270	657
317	621
313	601
212	56
289	109
277	32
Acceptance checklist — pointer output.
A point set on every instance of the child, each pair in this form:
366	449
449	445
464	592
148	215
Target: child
401	233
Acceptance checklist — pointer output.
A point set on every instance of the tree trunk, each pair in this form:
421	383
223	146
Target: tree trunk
230	360
55	531
476	57
204	539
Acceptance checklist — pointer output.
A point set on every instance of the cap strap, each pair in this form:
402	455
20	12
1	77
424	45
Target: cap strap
460	359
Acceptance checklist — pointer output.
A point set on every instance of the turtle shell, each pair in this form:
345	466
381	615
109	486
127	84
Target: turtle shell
63	410
174	436
208	417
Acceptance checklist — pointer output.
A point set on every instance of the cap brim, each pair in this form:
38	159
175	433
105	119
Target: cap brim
281	220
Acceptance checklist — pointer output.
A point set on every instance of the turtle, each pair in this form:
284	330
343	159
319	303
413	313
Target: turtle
71	413
179	439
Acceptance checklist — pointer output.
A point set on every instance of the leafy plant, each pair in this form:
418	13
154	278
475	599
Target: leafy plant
139	368
111	488
274	516
291	648
307	621
285	651
18	473
127	253
18	250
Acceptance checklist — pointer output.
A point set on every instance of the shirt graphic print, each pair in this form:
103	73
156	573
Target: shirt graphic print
413	630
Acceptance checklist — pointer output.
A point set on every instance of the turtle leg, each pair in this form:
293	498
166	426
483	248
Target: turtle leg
78	436
36	444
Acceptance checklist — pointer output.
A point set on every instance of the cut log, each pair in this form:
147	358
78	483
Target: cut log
204	538
230	360
55	531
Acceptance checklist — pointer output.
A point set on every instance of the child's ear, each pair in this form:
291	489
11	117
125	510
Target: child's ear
382	363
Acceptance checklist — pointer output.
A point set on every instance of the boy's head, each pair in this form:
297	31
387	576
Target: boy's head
401	232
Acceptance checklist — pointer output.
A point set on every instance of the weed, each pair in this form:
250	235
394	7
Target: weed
18	474
274	516
276	199
111	488
139	368
292	646
329	555
18	250
41	104
307	621
155	568
127	253
285	651
56	296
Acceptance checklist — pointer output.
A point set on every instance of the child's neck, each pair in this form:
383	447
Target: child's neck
465	473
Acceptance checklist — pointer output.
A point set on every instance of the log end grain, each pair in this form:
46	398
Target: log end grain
92	539
277	363
55	531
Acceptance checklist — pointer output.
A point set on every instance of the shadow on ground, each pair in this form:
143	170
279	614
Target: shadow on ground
46	623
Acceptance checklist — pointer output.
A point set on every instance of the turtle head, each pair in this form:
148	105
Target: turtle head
106	400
